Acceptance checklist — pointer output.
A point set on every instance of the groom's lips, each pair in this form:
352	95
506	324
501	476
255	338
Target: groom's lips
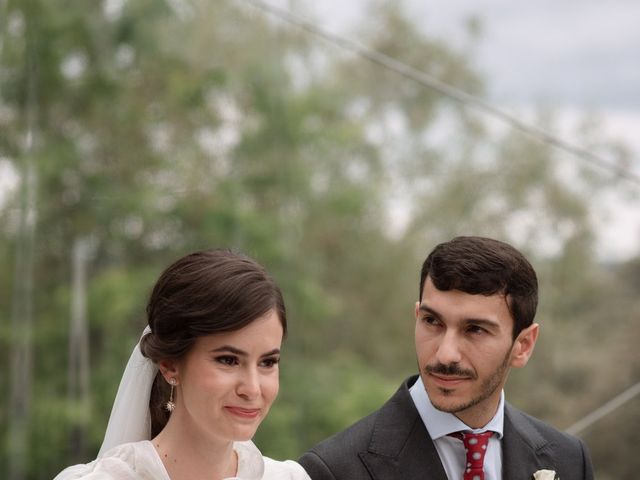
447	380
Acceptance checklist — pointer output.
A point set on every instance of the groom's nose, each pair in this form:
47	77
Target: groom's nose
448	351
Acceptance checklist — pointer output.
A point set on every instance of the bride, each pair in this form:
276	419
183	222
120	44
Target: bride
201	380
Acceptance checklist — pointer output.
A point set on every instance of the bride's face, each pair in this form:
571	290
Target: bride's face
228	381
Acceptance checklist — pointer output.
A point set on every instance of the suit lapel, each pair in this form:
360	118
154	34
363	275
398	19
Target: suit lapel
400	445
521	447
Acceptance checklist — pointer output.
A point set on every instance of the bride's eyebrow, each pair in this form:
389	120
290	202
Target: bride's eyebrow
237	351
229	349
275	351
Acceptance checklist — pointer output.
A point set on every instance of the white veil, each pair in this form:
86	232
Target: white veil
130	420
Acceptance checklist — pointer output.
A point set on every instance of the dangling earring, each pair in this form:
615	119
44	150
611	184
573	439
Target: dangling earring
170	406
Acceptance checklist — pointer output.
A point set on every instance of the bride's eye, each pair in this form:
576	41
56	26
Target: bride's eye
270	362
228	360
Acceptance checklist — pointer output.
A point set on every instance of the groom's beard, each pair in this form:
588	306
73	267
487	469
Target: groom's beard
487	387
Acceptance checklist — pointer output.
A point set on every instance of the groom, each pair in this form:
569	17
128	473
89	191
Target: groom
474	321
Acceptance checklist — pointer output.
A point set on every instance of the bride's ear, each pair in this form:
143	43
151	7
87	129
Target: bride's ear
169	369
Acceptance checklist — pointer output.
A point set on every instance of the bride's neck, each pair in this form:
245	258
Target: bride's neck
188	455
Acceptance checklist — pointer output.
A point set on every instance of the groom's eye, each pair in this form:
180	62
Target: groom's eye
475	329
430	320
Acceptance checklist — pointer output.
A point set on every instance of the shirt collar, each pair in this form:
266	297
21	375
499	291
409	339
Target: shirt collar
440	424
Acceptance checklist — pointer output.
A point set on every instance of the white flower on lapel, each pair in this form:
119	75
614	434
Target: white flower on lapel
545	475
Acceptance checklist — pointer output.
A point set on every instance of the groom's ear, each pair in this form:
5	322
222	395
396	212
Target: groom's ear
168	368
523	346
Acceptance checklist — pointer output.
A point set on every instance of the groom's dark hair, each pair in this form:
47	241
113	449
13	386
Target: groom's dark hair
484	266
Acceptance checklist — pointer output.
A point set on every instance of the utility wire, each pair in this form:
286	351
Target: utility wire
467	99
427	80
604	410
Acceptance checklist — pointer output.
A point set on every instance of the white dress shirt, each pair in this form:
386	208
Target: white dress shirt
451	450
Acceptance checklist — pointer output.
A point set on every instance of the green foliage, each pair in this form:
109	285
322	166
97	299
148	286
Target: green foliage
159	131
320	398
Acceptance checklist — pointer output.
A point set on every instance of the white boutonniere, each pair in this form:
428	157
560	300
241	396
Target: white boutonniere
545	475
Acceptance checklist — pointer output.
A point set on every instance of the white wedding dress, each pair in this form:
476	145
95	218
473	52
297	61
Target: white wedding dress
127	453
140	461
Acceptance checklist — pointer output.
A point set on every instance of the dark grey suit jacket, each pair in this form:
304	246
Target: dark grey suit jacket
393	443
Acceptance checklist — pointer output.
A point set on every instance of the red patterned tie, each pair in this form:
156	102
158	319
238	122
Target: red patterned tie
475	444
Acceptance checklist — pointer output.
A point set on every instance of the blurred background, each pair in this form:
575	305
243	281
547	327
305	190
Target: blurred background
135	131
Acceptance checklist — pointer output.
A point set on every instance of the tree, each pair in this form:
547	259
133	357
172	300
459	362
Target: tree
170	126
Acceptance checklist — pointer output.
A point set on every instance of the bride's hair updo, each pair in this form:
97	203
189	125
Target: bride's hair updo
206	292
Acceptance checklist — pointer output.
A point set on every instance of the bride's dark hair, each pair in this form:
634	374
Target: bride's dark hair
206	292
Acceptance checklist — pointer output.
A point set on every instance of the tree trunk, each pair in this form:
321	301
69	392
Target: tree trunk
21	350
78	380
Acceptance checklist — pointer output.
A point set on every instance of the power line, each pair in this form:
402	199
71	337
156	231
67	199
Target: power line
468	99
455	93
604	410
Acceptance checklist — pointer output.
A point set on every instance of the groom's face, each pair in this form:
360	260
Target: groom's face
465	348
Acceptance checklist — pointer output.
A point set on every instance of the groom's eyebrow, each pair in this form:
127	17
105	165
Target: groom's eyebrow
481	322
427	309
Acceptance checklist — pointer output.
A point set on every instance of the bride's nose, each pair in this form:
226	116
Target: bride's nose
248	386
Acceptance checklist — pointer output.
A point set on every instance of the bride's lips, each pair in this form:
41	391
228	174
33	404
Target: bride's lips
243	412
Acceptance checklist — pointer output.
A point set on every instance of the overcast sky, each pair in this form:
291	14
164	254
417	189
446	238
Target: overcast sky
582	52
578	56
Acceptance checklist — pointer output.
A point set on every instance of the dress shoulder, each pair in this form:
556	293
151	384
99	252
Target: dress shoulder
283	470
130	461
